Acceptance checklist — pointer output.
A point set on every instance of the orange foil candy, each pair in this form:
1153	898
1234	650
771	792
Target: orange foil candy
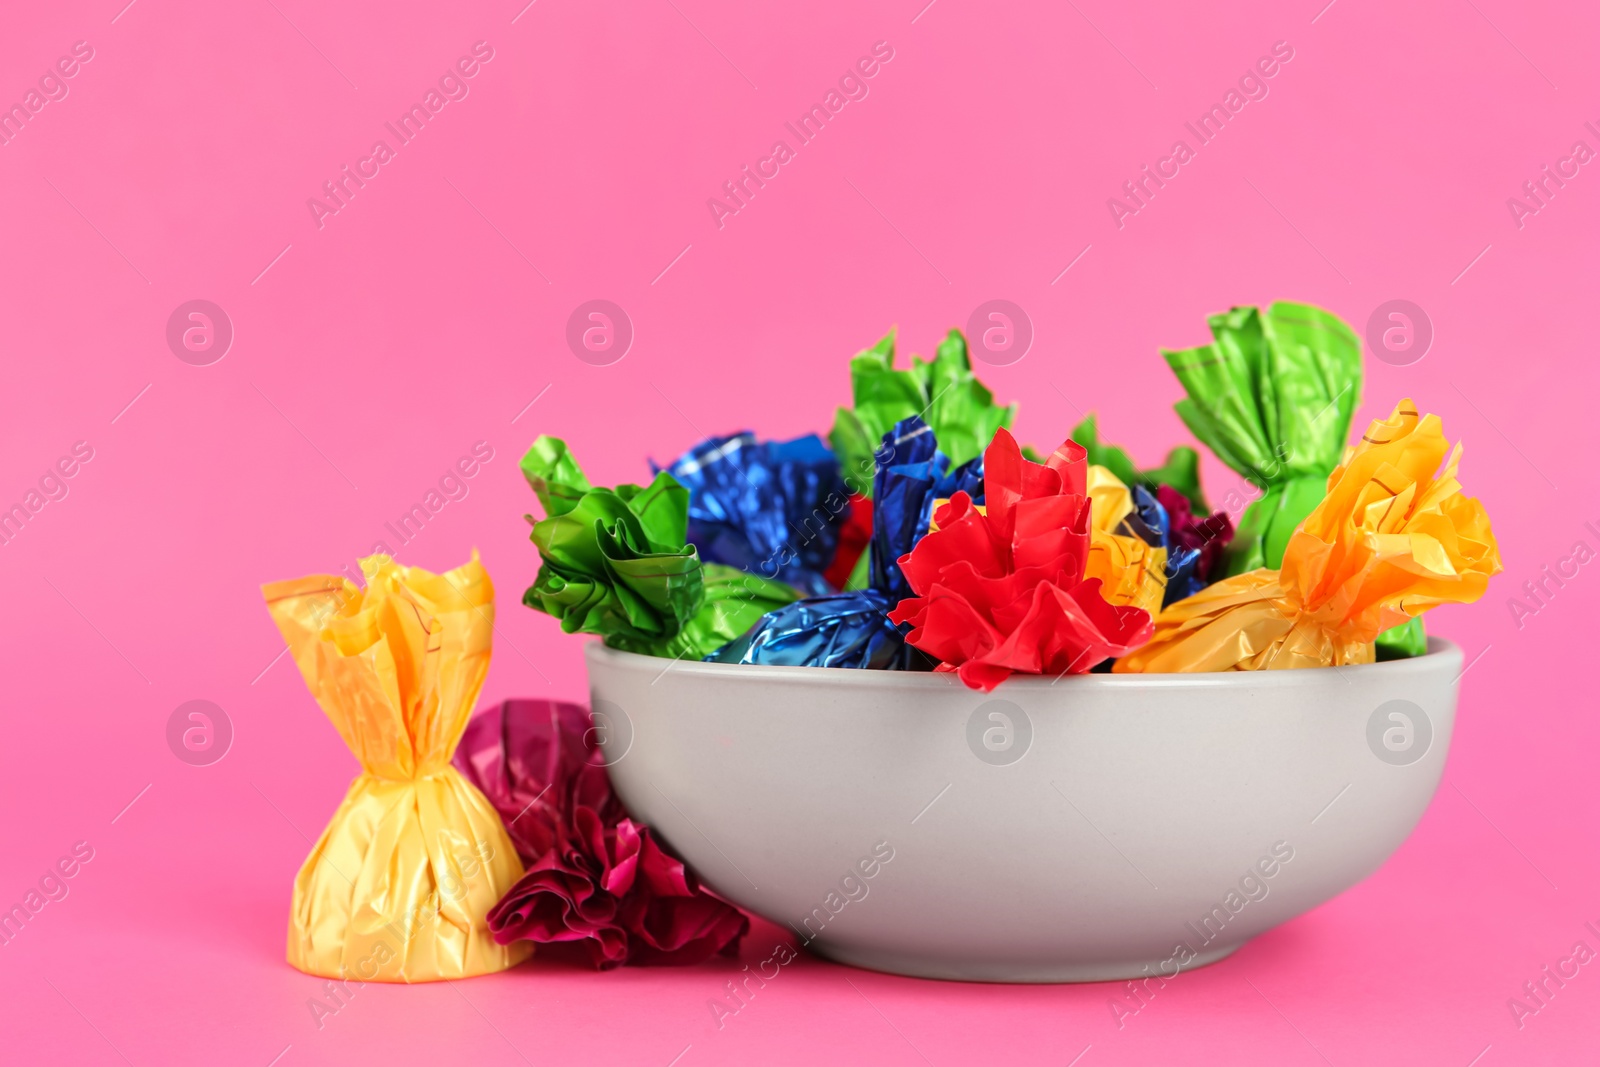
1393	538
1002	590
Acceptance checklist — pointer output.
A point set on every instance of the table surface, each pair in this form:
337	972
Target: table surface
186	156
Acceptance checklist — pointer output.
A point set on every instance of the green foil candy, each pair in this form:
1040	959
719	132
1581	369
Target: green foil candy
734	601
1273	396
616	562
1403	641
943	391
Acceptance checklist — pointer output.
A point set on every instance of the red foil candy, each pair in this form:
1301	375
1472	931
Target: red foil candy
854	537
594	875
1002	591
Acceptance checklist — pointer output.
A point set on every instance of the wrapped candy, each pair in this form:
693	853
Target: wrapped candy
733	600
1168	496
911	469
854	537
399	886
1391	539
852	629
769	508
1128	539
967	478
536	761
1272	396
944	392
594	877
1127	544
617	562
1180	471
1147	518
841	630
1003	590
1195	545
1403	641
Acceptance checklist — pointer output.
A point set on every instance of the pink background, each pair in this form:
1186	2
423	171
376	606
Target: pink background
427	314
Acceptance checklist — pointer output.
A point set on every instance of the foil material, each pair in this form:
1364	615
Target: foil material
1002	590
842	630
967	478
1403	641
594	876
1273	396
769	508
852	629
1180	470
535	760
1195	546
613	562
910	465
1394	537
617	562
399	886
733	602
1126	547
854	537
943	391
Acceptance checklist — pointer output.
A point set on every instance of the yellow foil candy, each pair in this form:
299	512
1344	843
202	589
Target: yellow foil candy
1131	572
397	887
1391	539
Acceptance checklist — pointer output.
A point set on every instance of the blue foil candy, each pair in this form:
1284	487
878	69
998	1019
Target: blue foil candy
1183	575
1150	523
967	478
909	466
771	508
853	629
1148	520
841	630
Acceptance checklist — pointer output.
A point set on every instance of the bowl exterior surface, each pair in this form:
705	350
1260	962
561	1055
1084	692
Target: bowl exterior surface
1083	829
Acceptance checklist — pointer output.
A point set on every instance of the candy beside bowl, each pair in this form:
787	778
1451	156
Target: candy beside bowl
1086	828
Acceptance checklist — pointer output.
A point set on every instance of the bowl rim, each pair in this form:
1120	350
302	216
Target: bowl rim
1441	653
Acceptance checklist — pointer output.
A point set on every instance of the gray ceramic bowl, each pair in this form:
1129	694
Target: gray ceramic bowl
1090	828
